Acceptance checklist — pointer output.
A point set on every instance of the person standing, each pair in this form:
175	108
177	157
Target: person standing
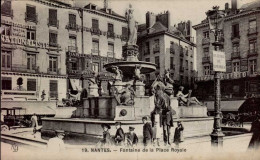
34	123
131	137
157	130
56	144
106	141
255	140
178	135
120	136
147	132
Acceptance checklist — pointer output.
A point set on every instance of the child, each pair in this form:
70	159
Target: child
178	135
147	132
157	130
131	138
106	141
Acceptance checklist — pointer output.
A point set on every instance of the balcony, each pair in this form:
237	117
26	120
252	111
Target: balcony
53	23
53	44
7	12
95	31
205	41
235	55
72	49
95	51
235	36
252	53
172	51
31	17
72	26
54	71
73	71
23	68
110	54
110	35
205	60
252	31
156	49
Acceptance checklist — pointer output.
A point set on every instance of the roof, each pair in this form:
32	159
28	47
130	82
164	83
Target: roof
31	107
225	105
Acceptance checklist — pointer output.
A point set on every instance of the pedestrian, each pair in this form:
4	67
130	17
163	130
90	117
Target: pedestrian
131	138
178	135
34	121
119	136
56	144
157	129
106	141
147	132
255	140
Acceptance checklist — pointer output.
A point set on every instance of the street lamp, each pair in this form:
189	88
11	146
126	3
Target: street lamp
216	22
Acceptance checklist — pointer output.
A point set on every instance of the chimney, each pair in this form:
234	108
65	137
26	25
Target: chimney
226	6
150	19
234	4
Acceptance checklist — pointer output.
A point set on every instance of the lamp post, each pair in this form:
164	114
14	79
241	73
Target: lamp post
216	20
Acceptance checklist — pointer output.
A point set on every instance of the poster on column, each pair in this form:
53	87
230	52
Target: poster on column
219	61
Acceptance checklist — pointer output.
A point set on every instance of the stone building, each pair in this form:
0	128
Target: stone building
47	43
241	46
169	47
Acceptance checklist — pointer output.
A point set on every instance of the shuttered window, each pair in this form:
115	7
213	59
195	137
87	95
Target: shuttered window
95	23
52	17
31	13
6	83
72	18
53	89
31	84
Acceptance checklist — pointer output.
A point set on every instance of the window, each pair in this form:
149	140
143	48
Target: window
6	8
110	50
206	70
31	34
253	87
53	39
72	43
31	61
236	48
191	66
147	48
6	60
110	27
172	48
187	64
236	67
74	64
95	67
147	59
53	89
95	23
252	66
181	63
72	19
6	83
53	17
53	64
171	63
6	30
31	14
157	61
235	30
156	47
252	46
95	47
31	84
206	34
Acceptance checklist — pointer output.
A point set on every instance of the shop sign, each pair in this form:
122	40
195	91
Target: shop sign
219	61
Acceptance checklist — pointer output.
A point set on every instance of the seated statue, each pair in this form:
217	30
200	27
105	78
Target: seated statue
185	99
118	73
127	95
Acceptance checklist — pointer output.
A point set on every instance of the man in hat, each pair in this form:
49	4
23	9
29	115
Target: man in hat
106	135
130	137
120	136
56	144
147	132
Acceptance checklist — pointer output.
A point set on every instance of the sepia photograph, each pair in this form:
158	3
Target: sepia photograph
130	79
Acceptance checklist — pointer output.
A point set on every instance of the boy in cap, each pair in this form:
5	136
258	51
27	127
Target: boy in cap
147	132
178	135
130	137
120	136
106	135
56	144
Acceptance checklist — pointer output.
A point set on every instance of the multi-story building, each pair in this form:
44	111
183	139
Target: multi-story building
169	47
241	46
46	43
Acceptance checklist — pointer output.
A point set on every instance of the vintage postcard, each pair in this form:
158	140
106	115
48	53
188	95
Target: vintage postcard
121	79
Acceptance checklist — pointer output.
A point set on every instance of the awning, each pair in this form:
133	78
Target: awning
225	105
29	108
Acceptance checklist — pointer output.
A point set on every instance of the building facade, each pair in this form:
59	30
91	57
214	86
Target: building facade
47	43
241	46
169	47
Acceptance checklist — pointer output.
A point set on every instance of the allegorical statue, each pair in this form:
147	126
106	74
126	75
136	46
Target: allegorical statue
132	26
118	73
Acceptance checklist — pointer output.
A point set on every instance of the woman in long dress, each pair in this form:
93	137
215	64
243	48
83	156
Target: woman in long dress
157	130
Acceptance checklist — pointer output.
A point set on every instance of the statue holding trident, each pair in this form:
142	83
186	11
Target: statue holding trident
132	26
